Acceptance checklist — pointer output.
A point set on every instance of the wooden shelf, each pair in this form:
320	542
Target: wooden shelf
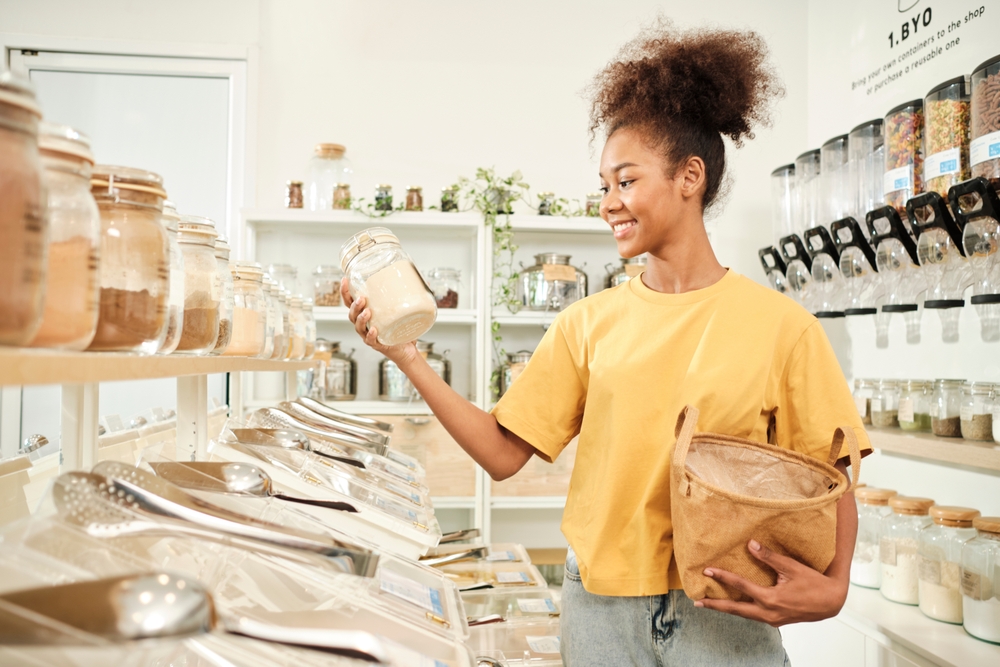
559	224
299	217
527	502
444	316
31	367
944	450
525	318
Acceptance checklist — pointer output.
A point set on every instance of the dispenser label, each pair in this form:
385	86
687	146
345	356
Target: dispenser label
906	410
543	644
944	163
533	606
502	557
513	578
562	272
399	586
898	179
986	147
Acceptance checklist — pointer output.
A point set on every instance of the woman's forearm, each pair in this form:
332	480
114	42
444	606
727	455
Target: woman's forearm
847	534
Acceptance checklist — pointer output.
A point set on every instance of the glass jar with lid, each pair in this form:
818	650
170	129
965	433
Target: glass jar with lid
293	194
545	202
175	299
984	146
277	303
981	580
202	285
865	166
511	369
904	154
976	411
286	322
946	408
338	372
449	199
383	197
593	209
297	320
915	405
23	223
402	305
249	310
326	285
342	197
941	562
265	289
630	268
326	169
885	404
864	389
286	275
445	284
899	535
551	284
307	311
873	506
414	198
946	133
135	260
226	304
69	319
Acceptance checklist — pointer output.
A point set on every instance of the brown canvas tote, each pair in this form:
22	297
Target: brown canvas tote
725	491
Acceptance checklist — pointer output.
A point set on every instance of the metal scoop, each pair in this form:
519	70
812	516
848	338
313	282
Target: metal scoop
240	478
346	417
321	421
287	439
475	553
151	606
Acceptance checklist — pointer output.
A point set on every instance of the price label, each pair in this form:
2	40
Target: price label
986	147
930	571
973	588
543	644
502	556
887	551
906	410
513	578
561	272
422	596
944	163
898	179
535	606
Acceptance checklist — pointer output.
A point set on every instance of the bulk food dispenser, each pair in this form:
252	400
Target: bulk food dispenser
798	264
774	268
827	284
942	259
835	184
782	201
807	191
862	286
896	260
904	154
865	167
977	210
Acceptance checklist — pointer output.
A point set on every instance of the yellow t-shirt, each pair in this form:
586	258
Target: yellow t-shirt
618	367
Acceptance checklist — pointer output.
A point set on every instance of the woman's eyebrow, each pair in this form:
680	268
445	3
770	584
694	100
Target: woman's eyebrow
619	167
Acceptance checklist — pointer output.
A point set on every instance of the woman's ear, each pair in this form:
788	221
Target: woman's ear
691	177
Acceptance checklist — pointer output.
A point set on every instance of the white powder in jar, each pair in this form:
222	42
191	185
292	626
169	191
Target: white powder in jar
248	333
865	567
939	591
900	570
402	307
982	618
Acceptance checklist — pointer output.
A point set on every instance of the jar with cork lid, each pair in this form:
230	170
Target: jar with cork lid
914	405
976	411
946	405
135	260
885	404
69	319
226	303
249	311
873	506
981	580
402	305
23	223
940	561
898	546
175	299
202	285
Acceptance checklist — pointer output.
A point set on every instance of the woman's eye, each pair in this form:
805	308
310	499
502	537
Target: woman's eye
603	189
624	184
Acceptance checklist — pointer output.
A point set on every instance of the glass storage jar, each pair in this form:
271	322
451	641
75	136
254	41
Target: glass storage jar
249	311
782	211
946	133
873	506
445	284
807	191
981	580
339	373
23	223
885	404
277	302
976	411
402	306
202	285
175	299
326	285
899	533
915	405
984	144
269	316
630	268
593	209
904	154
834	182
866	165
293	194
545	202
342	197
946	408
286	275
135	260
449	199
326	169
286	322
383	197
226	301
941	562
511	369
551	284
414	198
297	320
72	286
307	311
863	391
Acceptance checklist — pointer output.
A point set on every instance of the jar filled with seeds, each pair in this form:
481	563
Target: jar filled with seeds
449	199
981	580
915	405
446	285
976	411
940	562
904	154
414	198
885	404
593	209
984	146
863	390
383	197
326	285
898	546
873	506
945	408
342	197
946	132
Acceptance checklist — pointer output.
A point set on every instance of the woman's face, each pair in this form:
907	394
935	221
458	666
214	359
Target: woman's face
641	201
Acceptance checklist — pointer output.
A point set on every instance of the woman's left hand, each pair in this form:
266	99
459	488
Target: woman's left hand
802	594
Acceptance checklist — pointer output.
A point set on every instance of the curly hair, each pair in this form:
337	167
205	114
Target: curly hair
685	91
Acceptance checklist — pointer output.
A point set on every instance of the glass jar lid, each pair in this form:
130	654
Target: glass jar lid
519	357
950	384
64	141
383	186
414	188
987	524
125	184
18	91
222	248
978	388
363	241
197	230
244	270
171	218
867	382
888	384
329	150
918	384
955	517
910	505
871	496
552	258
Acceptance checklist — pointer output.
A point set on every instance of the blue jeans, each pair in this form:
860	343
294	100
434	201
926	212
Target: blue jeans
658	631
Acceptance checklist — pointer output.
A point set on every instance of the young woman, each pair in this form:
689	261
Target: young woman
617	368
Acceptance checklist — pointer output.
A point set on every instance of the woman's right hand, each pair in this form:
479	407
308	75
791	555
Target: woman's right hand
360	316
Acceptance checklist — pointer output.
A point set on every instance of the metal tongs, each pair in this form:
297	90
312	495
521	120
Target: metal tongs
284	419
345	417
314	418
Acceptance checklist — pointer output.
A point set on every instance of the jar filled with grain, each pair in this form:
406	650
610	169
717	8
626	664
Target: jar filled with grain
940	565
976	411
175	299
226	303
984	145
915	405
946	408
69	319
326	285
873	506
249	310
863	391
202	285
898	546
885	404
981	580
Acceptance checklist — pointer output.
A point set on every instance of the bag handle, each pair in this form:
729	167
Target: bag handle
839	436
687	420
